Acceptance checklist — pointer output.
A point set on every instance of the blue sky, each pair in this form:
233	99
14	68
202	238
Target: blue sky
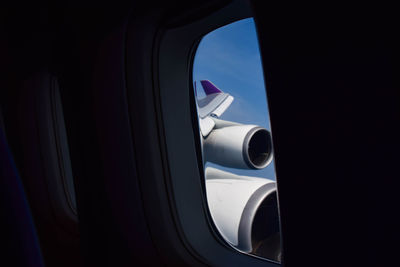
229	57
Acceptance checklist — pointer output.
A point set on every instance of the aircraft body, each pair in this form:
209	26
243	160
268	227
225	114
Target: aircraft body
236	201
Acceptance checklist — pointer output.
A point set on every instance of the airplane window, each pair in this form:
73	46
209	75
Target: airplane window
236	142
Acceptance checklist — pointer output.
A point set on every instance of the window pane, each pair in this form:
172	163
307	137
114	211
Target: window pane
235	138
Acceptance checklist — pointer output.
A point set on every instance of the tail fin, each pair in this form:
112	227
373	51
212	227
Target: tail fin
209	87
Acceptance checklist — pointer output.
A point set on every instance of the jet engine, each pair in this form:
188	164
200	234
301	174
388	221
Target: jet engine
238	146
245	211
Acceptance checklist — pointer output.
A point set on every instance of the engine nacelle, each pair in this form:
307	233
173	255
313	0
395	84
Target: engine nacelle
245	211
238	146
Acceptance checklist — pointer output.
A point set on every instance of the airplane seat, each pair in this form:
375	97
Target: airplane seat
37	137
18	233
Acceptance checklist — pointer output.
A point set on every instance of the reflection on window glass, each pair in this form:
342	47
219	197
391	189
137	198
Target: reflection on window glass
236	140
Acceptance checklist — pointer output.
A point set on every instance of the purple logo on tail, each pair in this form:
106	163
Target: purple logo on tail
209	87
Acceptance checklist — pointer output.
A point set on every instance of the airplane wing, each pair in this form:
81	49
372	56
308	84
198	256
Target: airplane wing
213	104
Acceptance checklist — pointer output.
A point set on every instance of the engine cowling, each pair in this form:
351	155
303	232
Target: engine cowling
245	211
238	145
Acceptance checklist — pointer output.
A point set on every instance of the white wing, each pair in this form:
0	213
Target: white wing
213	104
